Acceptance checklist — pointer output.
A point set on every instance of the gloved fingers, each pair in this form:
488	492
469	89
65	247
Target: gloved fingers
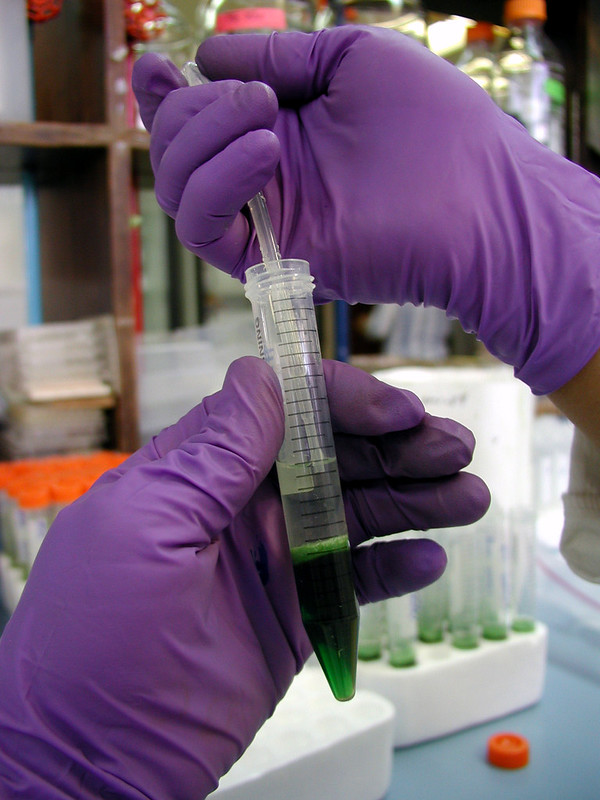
154	76
234	434
176	111
169	438
298	66
360	403
384	431
250	379
435	447
381	508
197	138
204	482
209	222
399	566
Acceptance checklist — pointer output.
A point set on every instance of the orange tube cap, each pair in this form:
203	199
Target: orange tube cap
508	750
515	10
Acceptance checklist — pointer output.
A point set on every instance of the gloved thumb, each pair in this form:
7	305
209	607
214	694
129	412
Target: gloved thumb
154	76
297	66
238	443
206	467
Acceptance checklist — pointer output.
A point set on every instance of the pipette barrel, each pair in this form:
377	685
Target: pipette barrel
287	336
269	249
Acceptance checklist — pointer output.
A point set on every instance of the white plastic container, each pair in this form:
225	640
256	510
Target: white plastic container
493	404
453	689
13	269
314	747
16	96
488	678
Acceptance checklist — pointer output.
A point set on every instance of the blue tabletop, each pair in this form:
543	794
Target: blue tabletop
563	730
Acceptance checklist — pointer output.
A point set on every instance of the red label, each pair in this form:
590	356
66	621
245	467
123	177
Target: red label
249	19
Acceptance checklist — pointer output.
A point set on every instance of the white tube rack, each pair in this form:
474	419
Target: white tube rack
451	689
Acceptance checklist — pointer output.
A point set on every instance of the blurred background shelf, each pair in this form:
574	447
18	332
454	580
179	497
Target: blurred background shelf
54	134
96	243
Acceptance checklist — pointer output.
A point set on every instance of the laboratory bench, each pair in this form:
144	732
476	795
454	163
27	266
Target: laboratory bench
563	731
562	728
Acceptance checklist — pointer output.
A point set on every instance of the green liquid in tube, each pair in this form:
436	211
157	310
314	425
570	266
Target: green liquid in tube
465	641
523	625
431	634
403	656
495	631
369	652
492	619
324	580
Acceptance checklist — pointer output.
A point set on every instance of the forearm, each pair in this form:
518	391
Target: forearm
579	399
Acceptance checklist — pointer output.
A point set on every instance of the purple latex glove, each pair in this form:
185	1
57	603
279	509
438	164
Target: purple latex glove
159	626
394	175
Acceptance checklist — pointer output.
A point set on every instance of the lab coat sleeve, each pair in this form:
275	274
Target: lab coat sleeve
580	541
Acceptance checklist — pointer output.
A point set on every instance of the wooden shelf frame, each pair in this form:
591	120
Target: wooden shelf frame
80	153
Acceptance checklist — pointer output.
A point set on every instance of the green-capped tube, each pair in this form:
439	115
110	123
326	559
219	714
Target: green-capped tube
371	632
432	604
402	631
522	528
463	577
494	572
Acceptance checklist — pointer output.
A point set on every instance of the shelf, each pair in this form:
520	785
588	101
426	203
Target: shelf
68	134
55	134
138	139
78	156
105	402
41	145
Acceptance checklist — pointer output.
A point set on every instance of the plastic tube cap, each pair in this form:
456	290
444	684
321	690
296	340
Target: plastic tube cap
508	750
515	10
34	497
481	32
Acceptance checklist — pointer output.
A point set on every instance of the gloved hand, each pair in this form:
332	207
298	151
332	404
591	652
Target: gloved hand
159	626
394	175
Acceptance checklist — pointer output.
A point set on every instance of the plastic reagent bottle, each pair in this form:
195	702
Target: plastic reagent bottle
174	37
479	60
533	72
405	16
254	16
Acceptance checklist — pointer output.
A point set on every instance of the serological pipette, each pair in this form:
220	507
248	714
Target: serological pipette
280	290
